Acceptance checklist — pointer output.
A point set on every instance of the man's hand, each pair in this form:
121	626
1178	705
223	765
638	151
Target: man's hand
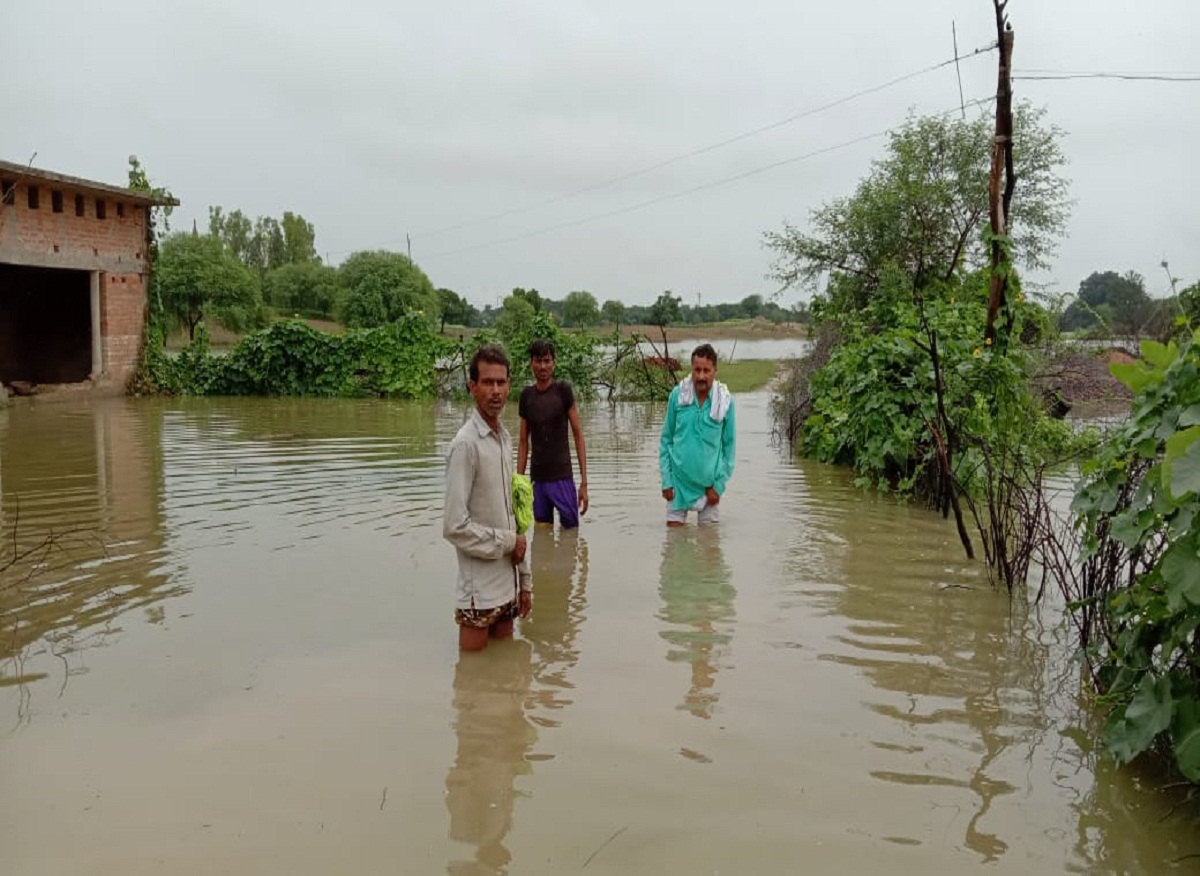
524	603
669	494
518	553
713	497
583	497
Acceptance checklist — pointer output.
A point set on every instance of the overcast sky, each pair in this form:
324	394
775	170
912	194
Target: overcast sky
376	119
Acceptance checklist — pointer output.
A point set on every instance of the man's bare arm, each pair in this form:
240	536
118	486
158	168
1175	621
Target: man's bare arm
523	446
581	455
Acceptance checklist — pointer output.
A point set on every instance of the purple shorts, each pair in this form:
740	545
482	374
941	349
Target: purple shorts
548	495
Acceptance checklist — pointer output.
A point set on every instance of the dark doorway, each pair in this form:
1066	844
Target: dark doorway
45	325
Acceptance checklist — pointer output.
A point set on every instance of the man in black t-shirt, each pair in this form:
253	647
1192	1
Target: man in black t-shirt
546	409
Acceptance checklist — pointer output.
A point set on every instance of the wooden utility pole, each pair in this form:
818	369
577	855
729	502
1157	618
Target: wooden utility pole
1002	163
962	103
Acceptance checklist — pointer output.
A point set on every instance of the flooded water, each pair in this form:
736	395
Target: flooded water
739	350
237	656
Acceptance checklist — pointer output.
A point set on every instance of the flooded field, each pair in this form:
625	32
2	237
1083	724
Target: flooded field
237	656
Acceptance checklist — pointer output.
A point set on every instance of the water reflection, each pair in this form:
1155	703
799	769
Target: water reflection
621	430
293	455
964	681
560	570
503	694
927	634
80	495
926	720
129	495
494	738
697	596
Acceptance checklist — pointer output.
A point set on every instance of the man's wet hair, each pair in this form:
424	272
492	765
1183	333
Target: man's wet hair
491	354
706	351
541	347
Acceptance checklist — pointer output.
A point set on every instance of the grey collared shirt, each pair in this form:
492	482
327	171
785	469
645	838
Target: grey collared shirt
478	517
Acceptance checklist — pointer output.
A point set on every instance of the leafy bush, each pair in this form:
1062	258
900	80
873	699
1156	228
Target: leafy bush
404	359
1138	512
577	356
306	288
874	404
381	287
196	279
398	360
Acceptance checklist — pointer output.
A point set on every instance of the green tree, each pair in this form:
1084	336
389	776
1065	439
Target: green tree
666	309
456	310
1116	302
553	308
299	239
308	288
532	296
751	306
613	312
265	243
382	287
267	248
196	277
235	231
923	209
580	309
515	320
912	398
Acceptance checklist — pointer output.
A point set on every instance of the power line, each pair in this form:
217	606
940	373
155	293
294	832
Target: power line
1134	77
658	200
705	149
693	153
702	187
1122	72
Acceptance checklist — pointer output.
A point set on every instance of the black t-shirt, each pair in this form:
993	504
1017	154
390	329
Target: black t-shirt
546	414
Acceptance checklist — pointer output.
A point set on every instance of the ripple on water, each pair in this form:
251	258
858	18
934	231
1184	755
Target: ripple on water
863	696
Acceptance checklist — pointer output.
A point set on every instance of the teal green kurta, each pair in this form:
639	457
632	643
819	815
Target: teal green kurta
695	451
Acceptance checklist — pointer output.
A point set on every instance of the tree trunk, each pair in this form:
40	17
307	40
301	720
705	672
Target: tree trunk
1002	163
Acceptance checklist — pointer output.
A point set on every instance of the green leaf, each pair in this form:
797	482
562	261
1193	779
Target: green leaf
1181	572
1185	736
1129	528
1134	375
1147	715
1159	355
1190	417
1181	521
1107	501
1181	466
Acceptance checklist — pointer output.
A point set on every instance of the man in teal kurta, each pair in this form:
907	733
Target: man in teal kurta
695	453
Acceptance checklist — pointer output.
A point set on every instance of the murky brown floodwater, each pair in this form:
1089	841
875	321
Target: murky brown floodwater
240	659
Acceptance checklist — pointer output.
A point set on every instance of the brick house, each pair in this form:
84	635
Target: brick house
74	272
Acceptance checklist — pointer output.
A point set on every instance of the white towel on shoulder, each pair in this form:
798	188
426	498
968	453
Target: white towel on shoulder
720	395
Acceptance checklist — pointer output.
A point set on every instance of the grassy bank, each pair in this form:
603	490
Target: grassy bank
747	376
220	337
728	330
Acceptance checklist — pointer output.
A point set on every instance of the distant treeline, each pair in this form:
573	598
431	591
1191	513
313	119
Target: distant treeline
240	269
1117	305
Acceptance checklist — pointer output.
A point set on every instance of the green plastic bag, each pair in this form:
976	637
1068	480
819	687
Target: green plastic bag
522	495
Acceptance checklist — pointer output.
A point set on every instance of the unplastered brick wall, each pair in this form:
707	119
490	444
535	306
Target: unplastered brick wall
109	231
122	315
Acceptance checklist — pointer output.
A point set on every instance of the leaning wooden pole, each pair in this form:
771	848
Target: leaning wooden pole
1000	198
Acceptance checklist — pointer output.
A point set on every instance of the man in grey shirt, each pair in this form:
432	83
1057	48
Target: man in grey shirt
495	584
